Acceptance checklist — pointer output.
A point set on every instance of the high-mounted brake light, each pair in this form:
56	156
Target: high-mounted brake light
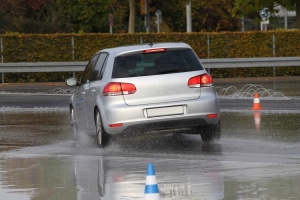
155	50
203	80
117	88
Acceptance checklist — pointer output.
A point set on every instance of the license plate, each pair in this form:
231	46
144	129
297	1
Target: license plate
165	111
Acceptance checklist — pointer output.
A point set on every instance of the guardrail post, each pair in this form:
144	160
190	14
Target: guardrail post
208	47
208	50
73	52
1	50
274	54
274	67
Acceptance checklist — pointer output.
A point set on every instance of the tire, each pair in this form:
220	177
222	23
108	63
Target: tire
211	132
102	136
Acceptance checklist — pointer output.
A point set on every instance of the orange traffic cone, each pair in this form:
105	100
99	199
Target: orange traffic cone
256	102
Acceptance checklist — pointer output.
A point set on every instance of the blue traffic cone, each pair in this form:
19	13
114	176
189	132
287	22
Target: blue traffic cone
151	187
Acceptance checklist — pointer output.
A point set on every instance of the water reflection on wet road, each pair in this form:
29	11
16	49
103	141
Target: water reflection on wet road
255	159
19	128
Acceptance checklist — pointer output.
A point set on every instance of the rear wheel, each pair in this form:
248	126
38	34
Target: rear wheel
211	132
102	136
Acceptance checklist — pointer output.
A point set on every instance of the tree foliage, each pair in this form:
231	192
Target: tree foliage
91	16
28	16
215	15
250	8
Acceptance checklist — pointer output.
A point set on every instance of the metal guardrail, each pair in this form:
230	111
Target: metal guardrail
42	67
208	63
251	62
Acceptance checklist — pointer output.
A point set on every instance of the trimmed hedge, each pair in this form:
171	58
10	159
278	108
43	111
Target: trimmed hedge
58	47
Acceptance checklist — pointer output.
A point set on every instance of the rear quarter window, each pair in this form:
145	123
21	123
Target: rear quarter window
145	64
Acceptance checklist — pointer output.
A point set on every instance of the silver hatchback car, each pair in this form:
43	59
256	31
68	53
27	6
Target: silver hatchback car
146	88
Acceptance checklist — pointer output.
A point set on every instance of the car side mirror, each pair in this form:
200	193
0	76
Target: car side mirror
72	82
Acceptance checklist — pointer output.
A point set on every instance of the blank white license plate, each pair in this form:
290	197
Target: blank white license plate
164	111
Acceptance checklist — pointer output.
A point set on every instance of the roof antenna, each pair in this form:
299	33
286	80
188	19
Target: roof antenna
150	44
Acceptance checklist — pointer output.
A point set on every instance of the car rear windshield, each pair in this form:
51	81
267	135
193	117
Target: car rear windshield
155	63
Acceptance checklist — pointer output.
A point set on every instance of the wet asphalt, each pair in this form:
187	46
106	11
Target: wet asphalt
256	158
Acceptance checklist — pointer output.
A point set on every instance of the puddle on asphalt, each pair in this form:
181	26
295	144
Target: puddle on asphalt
33	128
183	173
30	128
280	127
117	178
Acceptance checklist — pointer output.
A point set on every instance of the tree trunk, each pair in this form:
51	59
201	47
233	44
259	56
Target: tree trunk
298	16
131	23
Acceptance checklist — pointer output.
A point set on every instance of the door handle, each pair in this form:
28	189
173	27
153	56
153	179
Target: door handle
82	93
93	91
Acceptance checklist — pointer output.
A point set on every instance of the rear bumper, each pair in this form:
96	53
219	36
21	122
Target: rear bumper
175	126
134	118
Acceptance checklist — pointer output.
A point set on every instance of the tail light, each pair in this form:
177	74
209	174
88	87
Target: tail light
117	88
203	80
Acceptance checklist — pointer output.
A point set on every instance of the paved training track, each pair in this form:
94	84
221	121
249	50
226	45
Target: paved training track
61	101
31	101
28	95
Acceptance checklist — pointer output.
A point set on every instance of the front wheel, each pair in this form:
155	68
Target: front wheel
102	136
211	132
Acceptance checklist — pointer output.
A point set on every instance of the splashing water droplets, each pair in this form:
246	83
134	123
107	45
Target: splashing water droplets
248	91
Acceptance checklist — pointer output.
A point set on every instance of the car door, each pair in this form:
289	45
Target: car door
81	95
94	90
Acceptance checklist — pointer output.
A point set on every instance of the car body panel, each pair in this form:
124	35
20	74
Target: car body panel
79	106
162	88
